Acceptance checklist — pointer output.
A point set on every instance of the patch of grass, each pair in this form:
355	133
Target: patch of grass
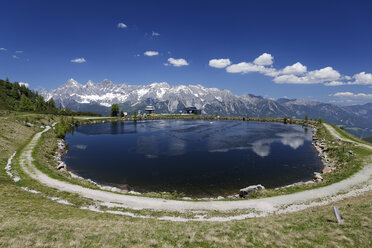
346	135
368	139
13	134
30	220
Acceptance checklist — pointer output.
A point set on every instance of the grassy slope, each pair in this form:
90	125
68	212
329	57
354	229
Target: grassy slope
368	139
30	220
347	135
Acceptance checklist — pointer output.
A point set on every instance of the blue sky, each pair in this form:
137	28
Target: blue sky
243	46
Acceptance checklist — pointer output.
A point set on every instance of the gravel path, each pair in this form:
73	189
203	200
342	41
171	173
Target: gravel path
335	134
265	205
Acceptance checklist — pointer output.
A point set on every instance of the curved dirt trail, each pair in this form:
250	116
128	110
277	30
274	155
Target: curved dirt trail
264	205
335	134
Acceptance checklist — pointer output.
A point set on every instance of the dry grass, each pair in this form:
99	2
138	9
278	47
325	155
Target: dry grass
12	135
30	220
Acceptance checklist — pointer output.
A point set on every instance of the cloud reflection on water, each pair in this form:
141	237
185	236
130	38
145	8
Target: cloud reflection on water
153	146
293	139
179	140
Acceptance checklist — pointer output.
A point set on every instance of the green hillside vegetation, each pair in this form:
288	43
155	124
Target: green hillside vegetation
17	97
368	139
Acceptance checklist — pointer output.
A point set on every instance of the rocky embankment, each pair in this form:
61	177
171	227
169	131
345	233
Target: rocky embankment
321	147
61	149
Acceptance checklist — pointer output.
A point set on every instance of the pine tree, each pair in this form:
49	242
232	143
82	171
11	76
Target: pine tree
25	104
15	93
51	106
114	110
40	105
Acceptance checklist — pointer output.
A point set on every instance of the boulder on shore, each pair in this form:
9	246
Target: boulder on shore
61	166
326	169
250	189
317	177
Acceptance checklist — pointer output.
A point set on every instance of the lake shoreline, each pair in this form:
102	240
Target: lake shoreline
321	150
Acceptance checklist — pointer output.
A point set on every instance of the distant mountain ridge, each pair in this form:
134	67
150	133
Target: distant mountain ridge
172	99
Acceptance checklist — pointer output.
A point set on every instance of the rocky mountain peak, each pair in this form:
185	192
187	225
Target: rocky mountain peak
72	83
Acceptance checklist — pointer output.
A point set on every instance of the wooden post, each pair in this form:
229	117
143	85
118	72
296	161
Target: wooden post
338	215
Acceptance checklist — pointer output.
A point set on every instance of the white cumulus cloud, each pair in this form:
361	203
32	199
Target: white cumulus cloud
3	49
312	77
264	59
293	74
243	67
78	60
155	33
23	83
246	67
363	78
219	63
122	25
151	53
358	79
334	83
294	69
353	95
177	62
325	74
15	57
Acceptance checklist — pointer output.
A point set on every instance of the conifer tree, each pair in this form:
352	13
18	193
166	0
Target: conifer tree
114	110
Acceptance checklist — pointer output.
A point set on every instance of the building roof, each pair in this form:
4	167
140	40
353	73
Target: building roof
149	107
191	108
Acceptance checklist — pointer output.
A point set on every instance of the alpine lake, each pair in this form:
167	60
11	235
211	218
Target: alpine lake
199	158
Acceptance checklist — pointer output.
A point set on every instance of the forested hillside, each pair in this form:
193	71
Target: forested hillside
17	97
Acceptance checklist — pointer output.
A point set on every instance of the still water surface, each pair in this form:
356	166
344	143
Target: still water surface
197	157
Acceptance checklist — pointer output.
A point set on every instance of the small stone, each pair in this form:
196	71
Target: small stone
250	189
317	177
326	170
61	166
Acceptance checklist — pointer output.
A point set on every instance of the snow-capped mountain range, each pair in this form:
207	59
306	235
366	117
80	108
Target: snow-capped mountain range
98	97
